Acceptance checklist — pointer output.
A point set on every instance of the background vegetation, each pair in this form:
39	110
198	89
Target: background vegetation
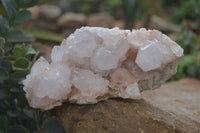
16	59
17	54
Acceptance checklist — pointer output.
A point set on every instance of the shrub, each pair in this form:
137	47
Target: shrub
15	63
189	64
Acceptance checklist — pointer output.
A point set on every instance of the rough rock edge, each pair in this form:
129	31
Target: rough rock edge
117	115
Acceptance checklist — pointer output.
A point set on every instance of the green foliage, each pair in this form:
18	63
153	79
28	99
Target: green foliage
16	13
17	35
187	39
44	35
189	64
3	123
4	74
10	8
129	10
87	6
186	10
27	3
21	57
17	129
15	63
22	16
3	25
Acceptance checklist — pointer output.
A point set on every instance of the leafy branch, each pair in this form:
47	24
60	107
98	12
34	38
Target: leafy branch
15	64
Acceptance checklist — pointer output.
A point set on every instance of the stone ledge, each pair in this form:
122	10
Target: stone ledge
133	116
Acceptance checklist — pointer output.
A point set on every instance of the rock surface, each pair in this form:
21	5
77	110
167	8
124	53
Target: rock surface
72	20
50	12
95	64
163	25
181	98
35	12
177	111
101	20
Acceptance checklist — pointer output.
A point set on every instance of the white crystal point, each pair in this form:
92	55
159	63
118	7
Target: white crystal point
40	66
131	91
96	63
54	83
56	54
89	85
50	84
149	56
85	45
176	49
105	59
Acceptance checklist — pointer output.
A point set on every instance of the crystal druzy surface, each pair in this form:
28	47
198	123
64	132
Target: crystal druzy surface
95	63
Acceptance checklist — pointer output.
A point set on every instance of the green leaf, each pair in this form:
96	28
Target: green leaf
15	89
13	113
192	71
3	93
29	113
1	51
23	46
8	47
31	3
22	101
30	50
17	35
17	129
3	123
52	125
19	75
22	16
44	35
27	3
10	7
21	64
6	65
20	3
10	58
35	57
2	42
3	75
19	52
3	25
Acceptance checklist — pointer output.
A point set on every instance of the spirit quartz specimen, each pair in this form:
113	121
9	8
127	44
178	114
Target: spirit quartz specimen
94	64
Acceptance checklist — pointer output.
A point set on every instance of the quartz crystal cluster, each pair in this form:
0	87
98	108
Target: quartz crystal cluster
95	63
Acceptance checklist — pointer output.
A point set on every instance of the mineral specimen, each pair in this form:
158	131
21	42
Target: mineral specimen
95	63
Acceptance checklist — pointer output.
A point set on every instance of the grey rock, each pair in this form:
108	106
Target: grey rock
50	12
180	98
174	108
35	12
72	20
101	20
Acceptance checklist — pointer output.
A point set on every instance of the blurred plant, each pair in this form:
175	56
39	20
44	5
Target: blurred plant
189	64
86	6
15	64
170	3
187	39
95	6
186	10
131	9
46	36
